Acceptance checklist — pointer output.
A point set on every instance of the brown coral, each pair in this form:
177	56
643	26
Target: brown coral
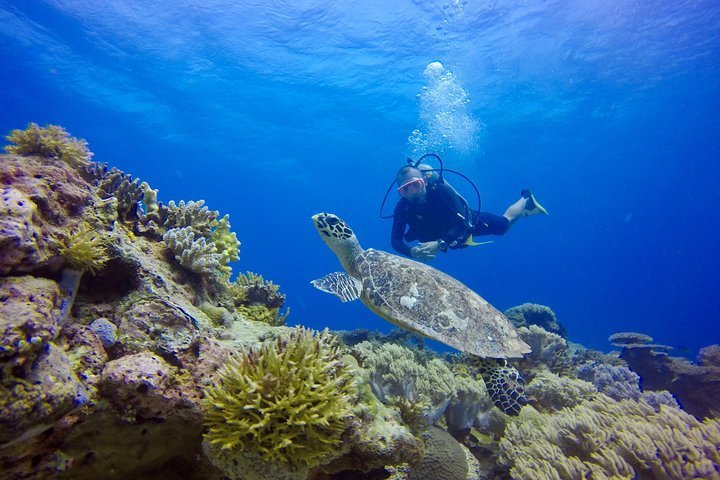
621	339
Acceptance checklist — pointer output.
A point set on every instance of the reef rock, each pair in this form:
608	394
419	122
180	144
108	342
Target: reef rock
29	317
695	386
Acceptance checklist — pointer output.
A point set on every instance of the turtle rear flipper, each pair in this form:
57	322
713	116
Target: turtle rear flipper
340	284
504	384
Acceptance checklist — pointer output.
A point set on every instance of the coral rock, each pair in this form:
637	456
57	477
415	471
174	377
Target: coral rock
18	230
144	386
29	315
157	324
696	387
32	404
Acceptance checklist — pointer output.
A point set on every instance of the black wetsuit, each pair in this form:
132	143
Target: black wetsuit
440	217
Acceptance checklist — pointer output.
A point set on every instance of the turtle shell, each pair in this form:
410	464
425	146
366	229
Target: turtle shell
420	298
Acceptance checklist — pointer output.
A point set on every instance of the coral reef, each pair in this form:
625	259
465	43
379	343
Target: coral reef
471	398
257	299
444	458
120	359
617	382
288	402
196	254
695	386
549	352
604	438
397	374
51	141
550	393
533	314
84	250
621	339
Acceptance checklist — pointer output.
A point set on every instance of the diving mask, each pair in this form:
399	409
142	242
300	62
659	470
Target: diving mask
411	188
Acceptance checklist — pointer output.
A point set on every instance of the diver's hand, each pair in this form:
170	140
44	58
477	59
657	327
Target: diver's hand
425	250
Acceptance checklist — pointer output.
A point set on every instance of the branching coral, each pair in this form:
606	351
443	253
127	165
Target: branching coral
51	141
84	249
128	192
200	242
196	254
226	242
289	401
604	438
159	218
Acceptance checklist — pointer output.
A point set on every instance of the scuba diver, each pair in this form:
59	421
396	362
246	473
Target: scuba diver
433	213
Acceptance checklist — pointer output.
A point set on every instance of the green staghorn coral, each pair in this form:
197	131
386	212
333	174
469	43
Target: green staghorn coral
605	438
289	401
84	249
51	141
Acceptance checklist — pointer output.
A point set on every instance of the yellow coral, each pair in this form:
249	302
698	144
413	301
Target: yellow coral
51	141
226	244
289	401
605	438
261	313
84	249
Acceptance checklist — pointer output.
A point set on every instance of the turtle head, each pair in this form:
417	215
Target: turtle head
337	235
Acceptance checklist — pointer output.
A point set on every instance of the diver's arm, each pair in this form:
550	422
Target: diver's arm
398	231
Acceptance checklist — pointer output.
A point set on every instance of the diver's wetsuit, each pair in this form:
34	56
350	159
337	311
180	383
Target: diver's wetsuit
439	217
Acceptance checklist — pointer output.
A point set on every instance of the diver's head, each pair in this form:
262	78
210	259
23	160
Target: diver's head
411	184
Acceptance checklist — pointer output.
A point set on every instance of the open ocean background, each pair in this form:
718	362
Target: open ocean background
272	111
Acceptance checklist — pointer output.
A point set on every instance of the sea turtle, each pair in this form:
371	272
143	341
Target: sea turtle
420	298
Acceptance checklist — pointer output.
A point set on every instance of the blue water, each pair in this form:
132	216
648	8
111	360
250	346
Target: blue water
272	111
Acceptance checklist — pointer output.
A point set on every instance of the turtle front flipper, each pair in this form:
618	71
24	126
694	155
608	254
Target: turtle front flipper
504	384
340	284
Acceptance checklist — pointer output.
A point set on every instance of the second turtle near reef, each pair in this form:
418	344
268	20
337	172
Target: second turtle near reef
422	299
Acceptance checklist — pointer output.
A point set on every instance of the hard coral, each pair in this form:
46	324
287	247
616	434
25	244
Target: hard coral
51	141
696	387
533	314
444	459
196	254
258	299
226	242
604	438
289	401
621	339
